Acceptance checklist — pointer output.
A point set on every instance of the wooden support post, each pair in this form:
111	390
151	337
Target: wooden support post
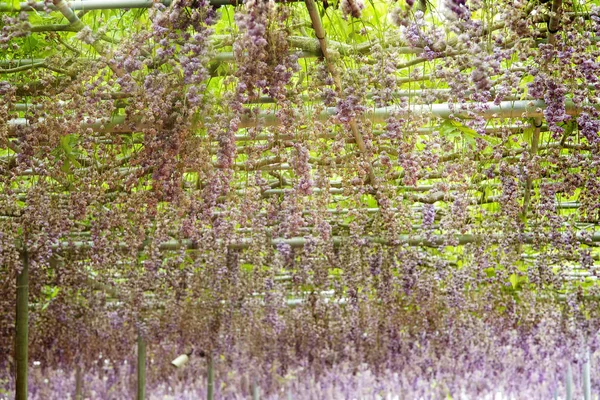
22	329
211	378
141	367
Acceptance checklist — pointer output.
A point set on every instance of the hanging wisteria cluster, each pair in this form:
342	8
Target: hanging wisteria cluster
327	200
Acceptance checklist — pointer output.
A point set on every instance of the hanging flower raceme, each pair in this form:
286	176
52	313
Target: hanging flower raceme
170	94
553	94
589	125
302	169
262	51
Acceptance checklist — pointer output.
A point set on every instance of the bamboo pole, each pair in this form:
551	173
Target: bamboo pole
81	5
141	367
220	57
78	383
554	23
77	25
89	5
506	109
569	383
535	140
23	107
587	387
411	240
210	387
358	138
22	328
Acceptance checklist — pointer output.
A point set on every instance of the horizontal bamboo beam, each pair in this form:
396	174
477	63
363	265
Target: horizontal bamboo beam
506	109
411	240
86	5
23	64
89	5
228	56
223	56
325	296
290	302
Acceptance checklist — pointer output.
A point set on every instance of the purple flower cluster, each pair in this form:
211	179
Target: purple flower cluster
459	8
595	17
553	94
420	34
589	125
14	27
480	79
412	34
352	8
86	35
350	105
265	64
590	70
302	169
555	112
394	128
428	216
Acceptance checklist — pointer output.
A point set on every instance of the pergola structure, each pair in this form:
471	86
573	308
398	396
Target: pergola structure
301	186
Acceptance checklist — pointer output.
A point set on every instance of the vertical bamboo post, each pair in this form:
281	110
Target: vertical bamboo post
554	23
569	383
78	383
587	387
22	329
255	391
141	367
211	378
535	141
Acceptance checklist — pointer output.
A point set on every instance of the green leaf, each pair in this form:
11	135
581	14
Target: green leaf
247	267
66	143
50	292
66	167
30	45
514	280
369	200
527	134
471	134
448	130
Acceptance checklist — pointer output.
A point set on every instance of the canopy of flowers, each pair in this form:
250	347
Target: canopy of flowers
325	199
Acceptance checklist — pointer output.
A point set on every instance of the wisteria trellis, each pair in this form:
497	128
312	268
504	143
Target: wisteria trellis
325	199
